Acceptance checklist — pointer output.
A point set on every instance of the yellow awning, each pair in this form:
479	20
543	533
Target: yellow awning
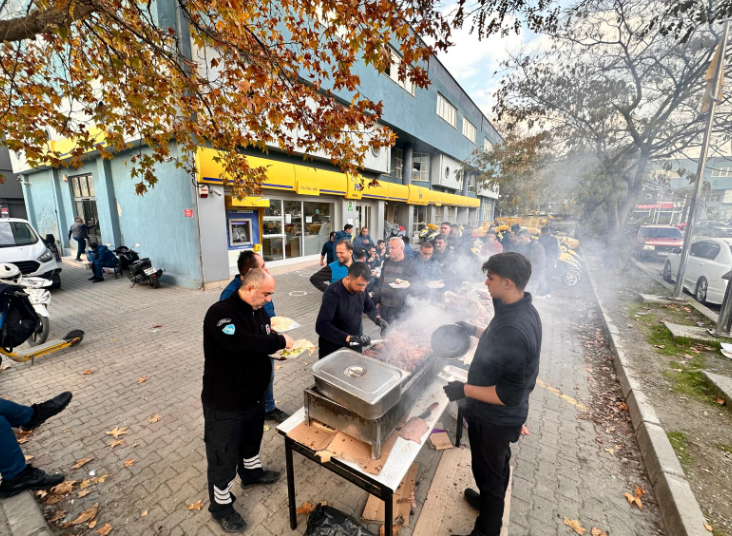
312	180
418	195
398	192
280	175
66	145
380	191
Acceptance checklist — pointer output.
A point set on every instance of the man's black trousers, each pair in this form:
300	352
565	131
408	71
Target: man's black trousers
491	453
233	440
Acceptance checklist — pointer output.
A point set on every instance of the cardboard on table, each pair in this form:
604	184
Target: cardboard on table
374	510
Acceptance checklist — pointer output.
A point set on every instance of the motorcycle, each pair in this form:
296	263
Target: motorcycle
40	298
569	266
138	270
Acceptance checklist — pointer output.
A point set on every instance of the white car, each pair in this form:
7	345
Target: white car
21	245
709	260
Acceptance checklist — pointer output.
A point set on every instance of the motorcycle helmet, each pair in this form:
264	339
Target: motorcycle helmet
9	274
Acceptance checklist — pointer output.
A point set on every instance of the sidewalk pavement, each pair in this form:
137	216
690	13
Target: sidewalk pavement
142	358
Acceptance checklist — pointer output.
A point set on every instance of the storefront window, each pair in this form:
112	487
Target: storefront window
317	226
272	232
293	229
272	249
275	208
272	227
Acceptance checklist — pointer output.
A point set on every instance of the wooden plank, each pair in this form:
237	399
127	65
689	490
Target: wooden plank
373	512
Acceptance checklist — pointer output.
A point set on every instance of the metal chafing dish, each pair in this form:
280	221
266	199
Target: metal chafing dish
363	397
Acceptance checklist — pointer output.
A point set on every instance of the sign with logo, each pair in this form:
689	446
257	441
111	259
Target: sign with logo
188	212
350	206
307	187
417	195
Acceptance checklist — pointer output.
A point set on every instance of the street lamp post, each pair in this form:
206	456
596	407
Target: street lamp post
714	98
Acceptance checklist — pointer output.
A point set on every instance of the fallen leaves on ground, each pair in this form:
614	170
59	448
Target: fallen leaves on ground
80	463
143	513
86	515
28	458
117	431
574	524
267	427
88	371
63	487
597	532
106	529
91	524
635	499
278	367
662	346
53	499
57	516
154	418
142	379
22	439
41	493
85	483
707	526
129	462
721	401
101	479
195	506
116	443
83	493
307	507
157	326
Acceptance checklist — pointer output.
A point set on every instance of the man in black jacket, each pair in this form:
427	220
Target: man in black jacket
552	250
237	342
501	378
344	302
392	301
534	252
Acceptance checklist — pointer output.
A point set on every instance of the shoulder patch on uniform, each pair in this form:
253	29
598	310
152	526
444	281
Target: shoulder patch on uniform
222	322
229	329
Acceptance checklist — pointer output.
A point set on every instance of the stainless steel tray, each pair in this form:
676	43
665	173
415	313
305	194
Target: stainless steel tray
366	386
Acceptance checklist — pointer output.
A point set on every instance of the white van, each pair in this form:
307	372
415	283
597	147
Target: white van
21	245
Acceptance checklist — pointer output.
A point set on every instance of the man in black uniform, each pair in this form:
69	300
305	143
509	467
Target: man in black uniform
237	342
501	377
392	301
339	319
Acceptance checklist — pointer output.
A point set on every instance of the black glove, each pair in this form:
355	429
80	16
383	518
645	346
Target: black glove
470	329
359	340
383	324
455	391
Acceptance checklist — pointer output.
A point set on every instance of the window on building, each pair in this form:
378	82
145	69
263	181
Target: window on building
471	183
421	167
420	218
293	229
487	145
396	61
714	196
446	110
469	130
722	171
399	164
487	210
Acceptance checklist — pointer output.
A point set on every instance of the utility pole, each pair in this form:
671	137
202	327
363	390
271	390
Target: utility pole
716	93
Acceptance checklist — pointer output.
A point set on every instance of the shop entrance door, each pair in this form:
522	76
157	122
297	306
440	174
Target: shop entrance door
363	216
85	205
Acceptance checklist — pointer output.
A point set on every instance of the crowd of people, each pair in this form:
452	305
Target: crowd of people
358	277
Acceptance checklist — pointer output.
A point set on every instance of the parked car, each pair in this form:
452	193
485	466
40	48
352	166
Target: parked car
713	229
22	246
709	260
657	241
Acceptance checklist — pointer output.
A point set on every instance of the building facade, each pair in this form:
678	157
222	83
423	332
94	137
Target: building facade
195	229
11	193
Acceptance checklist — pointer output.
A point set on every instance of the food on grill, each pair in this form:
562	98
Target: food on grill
398	350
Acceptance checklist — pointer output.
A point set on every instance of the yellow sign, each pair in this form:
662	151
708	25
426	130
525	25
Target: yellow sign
355	187
307	187
418	195
247	202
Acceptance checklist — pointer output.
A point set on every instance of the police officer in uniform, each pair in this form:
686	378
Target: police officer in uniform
237	342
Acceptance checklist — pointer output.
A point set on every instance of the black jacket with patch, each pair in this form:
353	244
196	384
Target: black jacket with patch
237	342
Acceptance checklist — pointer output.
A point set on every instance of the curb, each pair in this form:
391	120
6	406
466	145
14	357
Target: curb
679	508
23	516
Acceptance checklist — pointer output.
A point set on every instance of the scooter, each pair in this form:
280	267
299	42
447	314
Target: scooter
40	298
139	270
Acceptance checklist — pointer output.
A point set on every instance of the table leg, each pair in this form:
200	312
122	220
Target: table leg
388	511
459	430
290	483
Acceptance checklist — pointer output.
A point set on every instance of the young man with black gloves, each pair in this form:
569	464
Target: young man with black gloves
237	342
501	378
344	302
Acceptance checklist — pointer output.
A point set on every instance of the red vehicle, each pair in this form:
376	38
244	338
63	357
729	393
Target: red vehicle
657	241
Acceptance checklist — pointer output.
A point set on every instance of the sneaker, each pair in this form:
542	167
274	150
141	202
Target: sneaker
232	523
267	477
92	278
29	478
97	280
472	497
45	410
277	415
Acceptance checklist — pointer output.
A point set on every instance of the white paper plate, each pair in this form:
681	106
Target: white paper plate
396	285
434	284
277	355
726	346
